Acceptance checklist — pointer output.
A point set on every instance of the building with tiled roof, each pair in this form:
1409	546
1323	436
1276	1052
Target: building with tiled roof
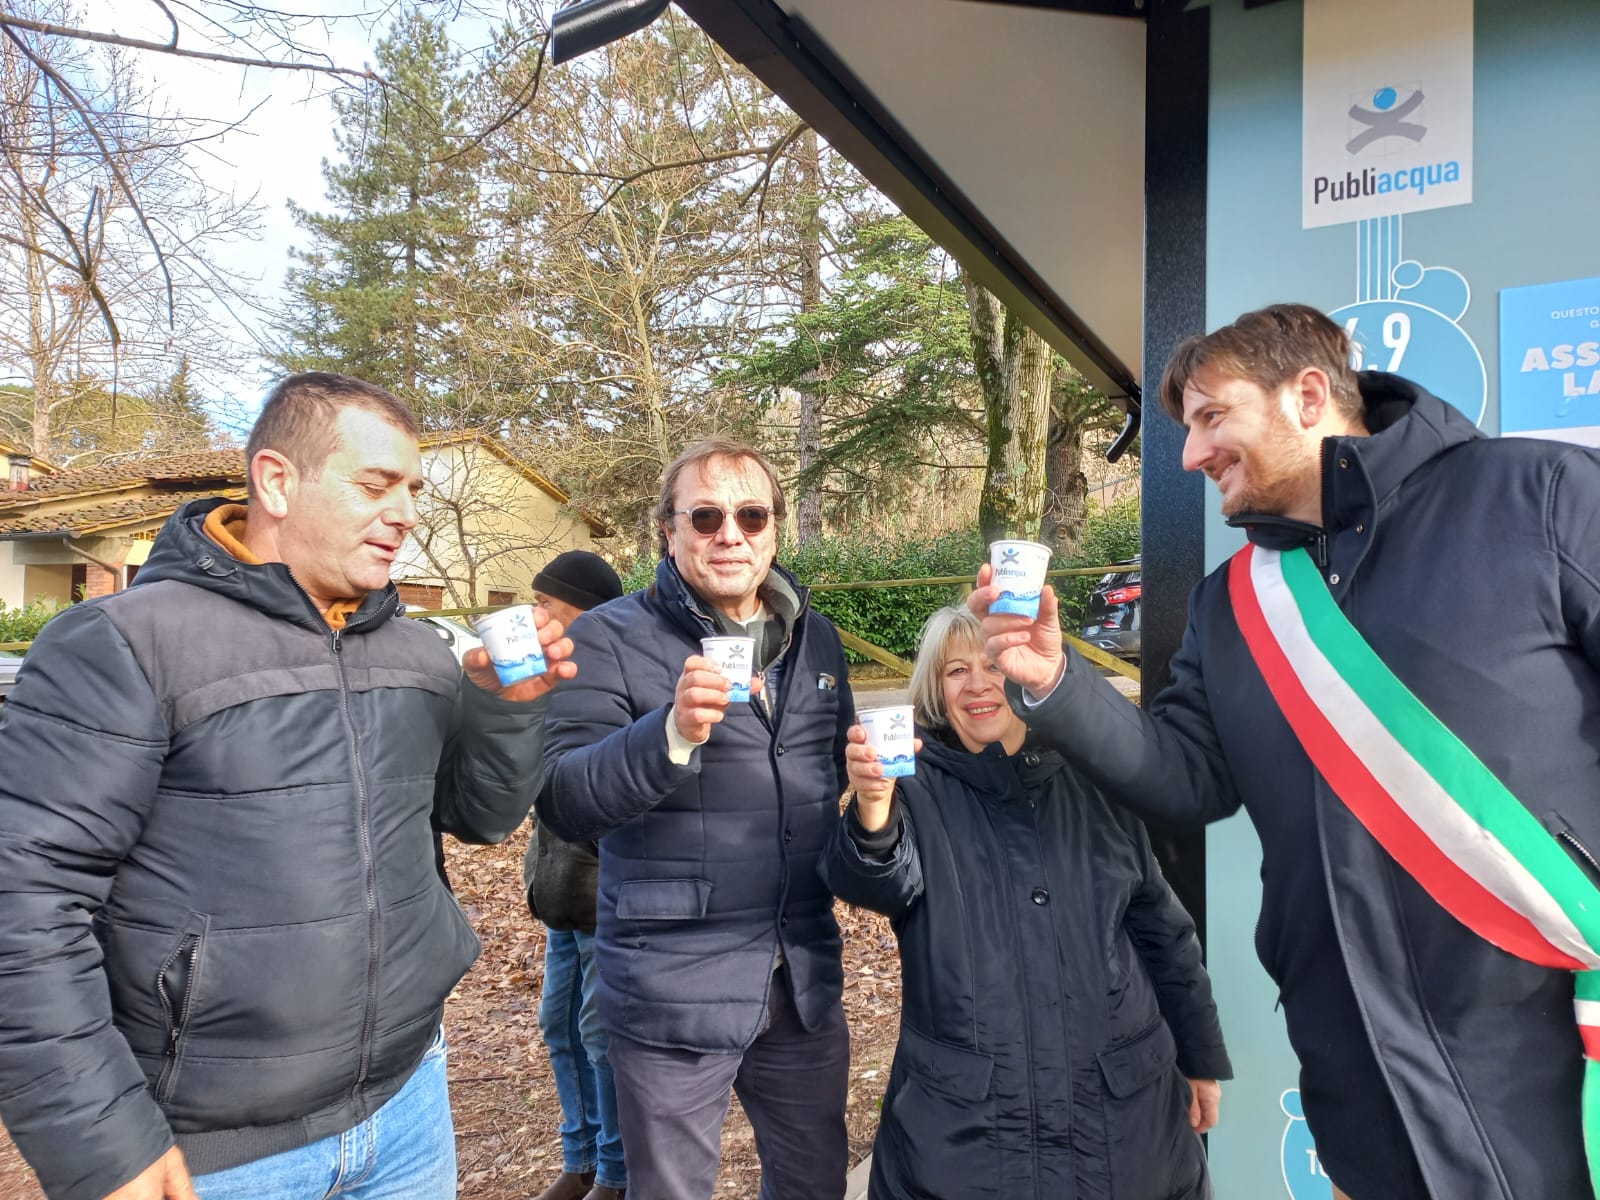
84	531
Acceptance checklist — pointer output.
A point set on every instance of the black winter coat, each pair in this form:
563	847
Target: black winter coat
1054	996
561	879
1472	567
240	799
707	869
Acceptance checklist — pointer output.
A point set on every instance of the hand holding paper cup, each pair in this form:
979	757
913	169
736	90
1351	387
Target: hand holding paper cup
1019	569
892	736
512	640
735	658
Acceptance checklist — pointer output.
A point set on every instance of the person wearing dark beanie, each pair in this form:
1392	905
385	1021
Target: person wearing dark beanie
578	578
561	878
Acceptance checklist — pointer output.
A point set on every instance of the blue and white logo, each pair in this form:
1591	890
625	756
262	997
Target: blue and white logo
1387	118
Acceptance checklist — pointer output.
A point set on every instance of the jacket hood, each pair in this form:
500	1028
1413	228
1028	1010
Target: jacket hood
182	551
1409	425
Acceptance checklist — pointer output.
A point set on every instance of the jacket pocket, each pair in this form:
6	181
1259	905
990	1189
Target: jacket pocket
177	984
663	899
1134	1066
938	1132
1153	1150
964	1074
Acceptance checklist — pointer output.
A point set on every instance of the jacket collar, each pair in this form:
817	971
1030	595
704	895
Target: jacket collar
182	551
990	772
1410	427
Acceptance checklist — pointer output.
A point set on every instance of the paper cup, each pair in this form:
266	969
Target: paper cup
891	735
1019	569
512	640
735	657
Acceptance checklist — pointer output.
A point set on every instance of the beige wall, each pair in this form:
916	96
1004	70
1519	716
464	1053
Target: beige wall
23	583
12	589
49	582
513	527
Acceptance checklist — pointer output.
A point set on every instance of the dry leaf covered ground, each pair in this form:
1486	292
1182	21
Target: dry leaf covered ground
505	1103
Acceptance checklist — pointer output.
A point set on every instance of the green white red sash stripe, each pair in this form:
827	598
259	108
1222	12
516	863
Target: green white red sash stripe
1419	790
1416	787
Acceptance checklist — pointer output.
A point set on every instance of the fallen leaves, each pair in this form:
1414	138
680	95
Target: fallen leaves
507	1119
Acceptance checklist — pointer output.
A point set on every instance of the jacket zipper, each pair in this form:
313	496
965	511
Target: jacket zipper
177	1014
364	825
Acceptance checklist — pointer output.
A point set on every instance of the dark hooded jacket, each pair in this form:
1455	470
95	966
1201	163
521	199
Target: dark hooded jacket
219	913
707	870
1433	1064
1054	996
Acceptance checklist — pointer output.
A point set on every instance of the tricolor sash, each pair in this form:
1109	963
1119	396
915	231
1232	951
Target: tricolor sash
1419	790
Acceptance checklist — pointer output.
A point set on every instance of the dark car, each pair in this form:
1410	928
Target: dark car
1111	620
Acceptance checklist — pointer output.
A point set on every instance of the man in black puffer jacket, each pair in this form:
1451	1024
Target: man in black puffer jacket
716	943
224	946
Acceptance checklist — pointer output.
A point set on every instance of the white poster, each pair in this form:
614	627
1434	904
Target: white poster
1387	108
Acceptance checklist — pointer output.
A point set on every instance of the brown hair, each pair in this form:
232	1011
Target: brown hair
696	456
300	417
1267	347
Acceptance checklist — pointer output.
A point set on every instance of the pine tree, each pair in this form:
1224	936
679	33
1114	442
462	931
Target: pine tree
402	202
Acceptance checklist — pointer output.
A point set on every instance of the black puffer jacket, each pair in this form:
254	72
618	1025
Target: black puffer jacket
1433	1065
1054	994
708	869
240	799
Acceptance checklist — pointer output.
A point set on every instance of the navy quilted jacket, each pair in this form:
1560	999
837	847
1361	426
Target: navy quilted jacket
705	869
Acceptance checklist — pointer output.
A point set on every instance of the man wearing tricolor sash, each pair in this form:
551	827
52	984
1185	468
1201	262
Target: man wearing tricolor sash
1399	680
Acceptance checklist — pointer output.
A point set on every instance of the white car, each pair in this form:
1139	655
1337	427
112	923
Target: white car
457	634
10	664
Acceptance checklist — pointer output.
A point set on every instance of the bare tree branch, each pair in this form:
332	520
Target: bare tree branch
116	39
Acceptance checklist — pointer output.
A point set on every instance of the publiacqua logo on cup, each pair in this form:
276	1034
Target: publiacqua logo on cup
734	657
512	640
1388	118
1019	569
891	735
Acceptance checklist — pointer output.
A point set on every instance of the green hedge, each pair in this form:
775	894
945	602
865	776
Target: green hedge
892	617
23	624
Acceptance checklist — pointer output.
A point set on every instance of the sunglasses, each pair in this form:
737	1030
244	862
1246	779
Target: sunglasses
708	519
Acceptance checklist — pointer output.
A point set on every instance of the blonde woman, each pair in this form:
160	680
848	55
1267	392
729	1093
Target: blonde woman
1058	1039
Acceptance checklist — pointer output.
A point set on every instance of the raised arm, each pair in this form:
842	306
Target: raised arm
492	765
871	860
1165	764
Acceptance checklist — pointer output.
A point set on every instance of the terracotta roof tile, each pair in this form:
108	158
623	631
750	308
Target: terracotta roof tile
177	468
91	517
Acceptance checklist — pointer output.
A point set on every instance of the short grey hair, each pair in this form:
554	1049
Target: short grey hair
946	625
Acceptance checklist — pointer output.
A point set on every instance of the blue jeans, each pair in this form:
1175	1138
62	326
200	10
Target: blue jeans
404	1151
579	1053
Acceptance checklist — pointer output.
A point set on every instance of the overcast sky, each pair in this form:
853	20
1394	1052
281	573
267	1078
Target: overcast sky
274	156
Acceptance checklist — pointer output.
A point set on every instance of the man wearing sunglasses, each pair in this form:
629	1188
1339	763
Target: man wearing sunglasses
716	945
